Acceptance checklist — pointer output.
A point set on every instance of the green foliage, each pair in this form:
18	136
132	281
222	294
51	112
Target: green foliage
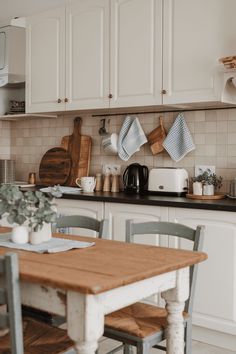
209	178
31	208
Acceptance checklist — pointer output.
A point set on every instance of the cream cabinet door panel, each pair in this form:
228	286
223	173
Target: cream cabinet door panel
87	54
45	61
117	214
136	52
215	297
196	35
80	207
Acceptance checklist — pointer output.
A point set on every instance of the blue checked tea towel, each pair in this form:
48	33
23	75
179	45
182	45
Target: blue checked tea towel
179	141
131	138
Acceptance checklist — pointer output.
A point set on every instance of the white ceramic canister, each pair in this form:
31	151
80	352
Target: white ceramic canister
197	188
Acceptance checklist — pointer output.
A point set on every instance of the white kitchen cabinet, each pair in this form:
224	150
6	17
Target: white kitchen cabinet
196	35
117	214
45	61
68	58
136	53
80	207
87	54
214	304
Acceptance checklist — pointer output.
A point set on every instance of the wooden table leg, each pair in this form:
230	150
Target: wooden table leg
175	301
85	322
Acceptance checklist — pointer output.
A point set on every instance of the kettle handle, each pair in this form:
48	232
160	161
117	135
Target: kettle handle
145	174
125	175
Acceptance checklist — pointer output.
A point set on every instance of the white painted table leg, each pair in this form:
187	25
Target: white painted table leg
175	301
85	322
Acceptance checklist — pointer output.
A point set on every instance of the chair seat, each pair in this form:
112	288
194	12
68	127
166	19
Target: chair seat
39	338
140	320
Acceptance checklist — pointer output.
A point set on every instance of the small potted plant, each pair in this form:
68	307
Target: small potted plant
31	213
209	181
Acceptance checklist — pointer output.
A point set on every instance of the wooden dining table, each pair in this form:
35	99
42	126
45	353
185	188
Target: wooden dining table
86	284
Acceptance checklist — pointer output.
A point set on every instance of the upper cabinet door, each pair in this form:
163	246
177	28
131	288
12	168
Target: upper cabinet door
45	64
136	52
196	35
87	54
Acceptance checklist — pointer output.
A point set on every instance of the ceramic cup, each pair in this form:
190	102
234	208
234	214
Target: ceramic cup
197	188
109	143
86	183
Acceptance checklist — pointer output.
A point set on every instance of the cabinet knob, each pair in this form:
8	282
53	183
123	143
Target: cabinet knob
110	95
59	100
164	92
66	100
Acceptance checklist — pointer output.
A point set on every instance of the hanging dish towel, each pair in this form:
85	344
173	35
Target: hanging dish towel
179	141
131	138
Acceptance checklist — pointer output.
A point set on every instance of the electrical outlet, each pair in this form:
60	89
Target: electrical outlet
112	169
199	169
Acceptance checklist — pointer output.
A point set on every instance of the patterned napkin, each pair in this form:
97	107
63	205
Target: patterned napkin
131	138
179	141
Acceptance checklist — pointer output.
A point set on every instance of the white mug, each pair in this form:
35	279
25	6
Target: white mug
109	143
197	188
86	183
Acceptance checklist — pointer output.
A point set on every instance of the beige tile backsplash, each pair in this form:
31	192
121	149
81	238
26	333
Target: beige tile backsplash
214	133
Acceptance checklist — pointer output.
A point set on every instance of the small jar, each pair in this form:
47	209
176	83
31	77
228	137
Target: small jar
32	178
98	186
115	184
107	183
197	188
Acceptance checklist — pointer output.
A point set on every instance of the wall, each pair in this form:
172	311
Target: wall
214	133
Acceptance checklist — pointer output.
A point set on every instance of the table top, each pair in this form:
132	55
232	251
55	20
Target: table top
104	266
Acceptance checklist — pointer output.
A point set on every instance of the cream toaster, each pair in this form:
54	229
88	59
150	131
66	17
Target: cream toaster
168	181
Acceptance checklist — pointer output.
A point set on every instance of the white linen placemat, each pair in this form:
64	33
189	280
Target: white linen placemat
54	245
179	141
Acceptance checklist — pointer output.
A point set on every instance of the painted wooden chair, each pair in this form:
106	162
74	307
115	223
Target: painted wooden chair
84	222
143	325
66	222
29	336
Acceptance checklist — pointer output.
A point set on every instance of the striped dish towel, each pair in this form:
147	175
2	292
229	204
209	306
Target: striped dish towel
179	141
131	138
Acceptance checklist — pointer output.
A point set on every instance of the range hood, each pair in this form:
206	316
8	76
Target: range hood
12	56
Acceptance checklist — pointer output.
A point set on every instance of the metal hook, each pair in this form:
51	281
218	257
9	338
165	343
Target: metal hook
102	130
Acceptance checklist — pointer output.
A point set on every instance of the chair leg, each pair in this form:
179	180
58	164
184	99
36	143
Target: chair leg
143	348
188	338
127	349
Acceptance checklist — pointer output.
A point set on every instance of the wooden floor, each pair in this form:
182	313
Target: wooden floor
198	348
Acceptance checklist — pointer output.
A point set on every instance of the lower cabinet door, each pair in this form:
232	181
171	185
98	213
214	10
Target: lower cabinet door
80	207
117	214
215	297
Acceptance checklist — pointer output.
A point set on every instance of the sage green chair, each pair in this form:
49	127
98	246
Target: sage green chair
143	325
33	336
84	222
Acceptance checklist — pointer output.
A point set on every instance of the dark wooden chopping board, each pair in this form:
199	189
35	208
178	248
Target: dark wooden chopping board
55	167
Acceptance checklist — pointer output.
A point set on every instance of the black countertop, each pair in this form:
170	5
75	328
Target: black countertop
225	204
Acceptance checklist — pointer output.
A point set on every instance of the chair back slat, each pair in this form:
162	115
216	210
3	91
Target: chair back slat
84	222
171	229
3	296
4	320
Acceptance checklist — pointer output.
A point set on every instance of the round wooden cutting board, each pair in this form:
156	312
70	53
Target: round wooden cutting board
205	197
55	167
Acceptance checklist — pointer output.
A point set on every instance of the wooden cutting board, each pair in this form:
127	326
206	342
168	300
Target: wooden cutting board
79	148
156	138
55	167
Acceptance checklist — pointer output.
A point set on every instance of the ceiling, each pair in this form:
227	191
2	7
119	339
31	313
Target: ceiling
21	8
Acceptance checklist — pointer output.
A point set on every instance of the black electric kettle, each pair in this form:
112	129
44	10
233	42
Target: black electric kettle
135	178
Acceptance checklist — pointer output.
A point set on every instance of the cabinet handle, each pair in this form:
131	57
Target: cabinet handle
110	95
66	100
59	100
164	92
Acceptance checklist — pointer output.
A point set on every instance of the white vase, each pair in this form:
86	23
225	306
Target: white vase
43	235
20	234
208	189
197	188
